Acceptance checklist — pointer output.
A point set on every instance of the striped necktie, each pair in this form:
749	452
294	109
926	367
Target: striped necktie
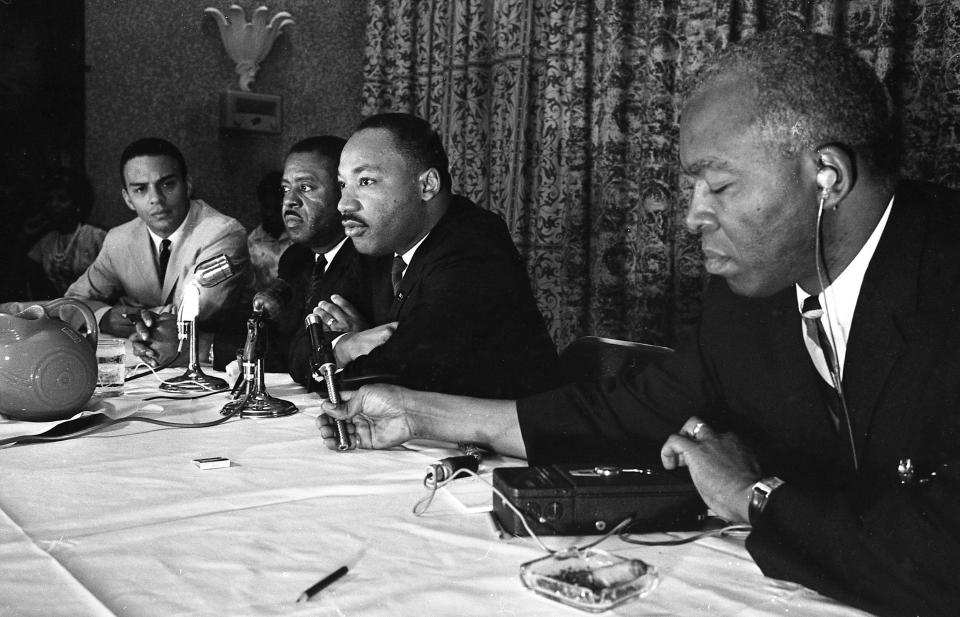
811	313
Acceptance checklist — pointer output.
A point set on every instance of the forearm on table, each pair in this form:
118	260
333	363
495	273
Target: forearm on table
492	423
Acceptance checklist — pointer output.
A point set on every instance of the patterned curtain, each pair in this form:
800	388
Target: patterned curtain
561	115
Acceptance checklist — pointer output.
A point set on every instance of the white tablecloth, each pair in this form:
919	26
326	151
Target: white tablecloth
123	523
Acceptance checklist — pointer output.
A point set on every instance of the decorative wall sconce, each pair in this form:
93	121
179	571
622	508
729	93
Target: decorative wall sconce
248	43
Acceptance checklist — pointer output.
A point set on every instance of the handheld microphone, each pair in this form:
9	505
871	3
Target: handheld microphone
324	367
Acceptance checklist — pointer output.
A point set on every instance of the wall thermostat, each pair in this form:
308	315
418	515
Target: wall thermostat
250	111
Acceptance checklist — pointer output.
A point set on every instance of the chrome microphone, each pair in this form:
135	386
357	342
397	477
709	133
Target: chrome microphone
324	367
214	271
208	273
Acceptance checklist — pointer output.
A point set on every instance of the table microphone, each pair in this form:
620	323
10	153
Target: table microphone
208	273
214	271
324	367
273	298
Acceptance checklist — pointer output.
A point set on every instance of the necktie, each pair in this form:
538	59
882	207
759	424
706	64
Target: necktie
163	260
396	274
811	313
316	278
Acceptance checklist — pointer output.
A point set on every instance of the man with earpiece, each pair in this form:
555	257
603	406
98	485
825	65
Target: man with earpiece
820	398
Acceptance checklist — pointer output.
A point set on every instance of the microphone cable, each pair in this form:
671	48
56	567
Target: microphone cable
114	421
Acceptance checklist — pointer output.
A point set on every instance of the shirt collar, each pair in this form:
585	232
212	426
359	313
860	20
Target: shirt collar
331	254
408	256
175	237
841	295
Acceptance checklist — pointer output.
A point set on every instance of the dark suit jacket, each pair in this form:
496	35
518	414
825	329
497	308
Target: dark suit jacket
468	322
287	344
859	536
349	274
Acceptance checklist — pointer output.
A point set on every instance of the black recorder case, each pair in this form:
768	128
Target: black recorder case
582	500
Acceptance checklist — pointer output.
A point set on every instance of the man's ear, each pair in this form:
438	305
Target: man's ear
836	174
429	183
189	187
126	199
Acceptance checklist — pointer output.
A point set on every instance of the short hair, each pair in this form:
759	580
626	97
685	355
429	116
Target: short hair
152	146
415	139
812	91
269	184
329	146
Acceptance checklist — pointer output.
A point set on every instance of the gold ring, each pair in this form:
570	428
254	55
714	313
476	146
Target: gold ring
695	433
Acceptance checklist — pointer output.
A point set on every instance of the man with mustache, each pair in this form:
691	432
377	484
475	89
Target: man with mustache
145	264
321	262
453	305
820	398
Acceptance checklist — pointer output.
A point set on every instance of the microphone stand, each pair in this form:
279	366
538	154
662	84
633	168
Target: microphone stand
209	273
194	379
251	396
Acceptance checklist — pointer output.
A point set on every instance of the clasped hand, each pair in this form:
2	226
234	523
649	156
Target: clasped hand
721	466
155	337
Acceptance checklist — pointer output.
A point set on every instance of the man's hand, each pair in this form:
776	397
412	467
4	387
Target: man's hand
121	320
155	338
355	344
338	315
267	302
376	418
722	468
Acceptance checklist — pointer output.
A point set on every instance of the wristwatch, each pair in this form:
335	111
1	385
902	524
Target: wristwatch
760	494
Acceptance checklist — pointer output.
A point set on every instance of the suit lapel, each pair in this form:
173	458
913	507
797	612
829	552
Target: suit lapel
422	257
885	312
181	259
143	258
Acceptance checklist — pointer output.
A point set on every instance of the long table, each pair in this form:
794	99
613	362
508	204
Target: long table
121	522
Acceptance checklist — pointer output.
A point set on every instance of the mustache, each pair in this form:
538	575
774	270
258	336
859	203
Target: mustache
291	212
344	218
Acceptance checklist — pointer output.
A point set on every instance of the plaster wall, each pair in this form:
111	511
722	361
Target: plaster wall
157	68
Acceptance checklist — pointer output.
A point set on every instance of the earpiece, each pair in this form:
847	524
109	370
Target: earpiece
827	176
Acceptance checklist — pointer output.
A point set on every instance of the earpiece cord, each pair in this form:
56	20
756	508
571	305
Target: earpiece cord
833	362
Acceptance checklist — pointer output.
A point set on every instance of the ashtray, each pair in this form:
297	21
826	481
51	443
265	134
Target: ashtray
591	580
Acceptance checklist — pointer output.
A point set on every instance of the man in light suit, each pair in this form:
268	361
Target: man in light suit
834	430
146	264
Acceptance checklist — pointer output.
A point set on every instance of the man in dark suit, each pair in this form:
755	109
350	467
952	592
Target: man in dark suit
820	399
453	305
320	262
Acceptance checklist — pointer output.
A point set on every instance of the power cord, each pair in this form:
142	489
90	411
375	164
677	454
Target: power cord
114	421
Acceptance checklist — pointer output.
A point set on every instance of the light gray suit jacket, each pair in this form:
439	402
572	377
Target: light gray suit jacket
125	271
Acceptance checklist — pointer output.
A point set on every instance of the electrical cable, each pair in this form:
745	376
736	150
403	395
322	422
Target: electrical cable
722	531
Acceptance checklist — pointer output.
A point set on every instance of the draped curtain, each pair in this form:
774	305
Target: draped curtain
561	115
